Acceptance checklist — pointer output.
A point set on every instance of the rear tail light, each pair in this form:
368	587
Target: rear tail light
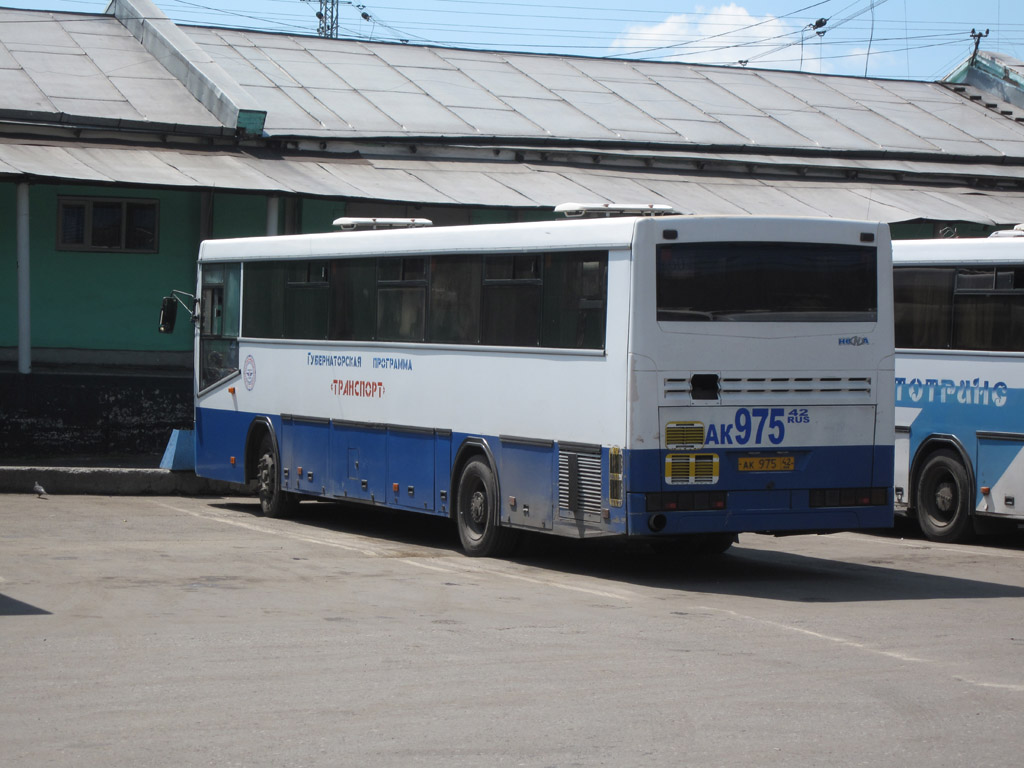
686	502
849	497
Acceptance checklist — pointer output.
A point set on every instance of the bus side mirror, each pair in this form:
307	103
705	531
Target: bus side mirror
168	314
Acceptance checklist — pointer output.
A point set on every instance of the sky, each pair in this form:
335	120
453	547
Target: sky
906	39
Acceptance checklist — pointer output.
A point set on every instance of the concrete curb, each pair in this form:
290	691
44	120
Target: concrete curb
114	481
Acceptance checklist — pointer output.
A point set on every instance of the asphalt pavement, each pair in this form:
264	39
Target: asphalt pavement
175	631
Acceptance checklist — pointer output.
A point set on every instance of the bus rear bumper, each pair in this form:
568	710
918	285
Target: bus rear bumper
746	511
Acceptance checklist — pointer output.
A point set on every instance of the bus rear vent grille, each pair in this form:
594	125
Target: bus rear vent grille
684	434
691	468
579	482
675	388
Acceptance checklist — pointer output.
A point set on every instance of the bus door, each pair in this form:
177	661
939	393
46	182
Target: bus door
219	320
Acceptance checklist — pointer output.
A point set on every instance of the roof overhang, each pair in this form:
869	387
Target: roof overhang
511	183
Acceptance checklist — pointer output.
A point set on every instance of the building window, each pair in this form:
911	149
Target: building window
107	224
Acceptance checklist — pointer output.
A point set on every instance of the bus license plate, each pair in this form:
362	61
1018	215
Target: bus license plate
767	463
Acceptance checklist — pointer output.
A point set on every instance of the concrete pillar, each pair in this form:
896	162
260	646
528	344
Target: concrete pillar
24	284
273	207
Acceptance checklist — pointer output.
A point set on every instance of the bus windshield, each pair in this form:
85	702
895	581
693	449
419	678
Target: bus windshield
778	282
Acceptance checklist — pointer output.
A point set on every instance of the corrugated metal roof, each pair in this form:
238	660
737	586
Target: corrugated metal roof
704	139
452	182
89	66
92	66
451	93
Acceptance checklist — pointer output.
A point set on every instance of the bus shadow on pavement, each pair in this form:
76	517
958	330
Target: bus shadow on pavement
386	524
742	571
11	607
791	577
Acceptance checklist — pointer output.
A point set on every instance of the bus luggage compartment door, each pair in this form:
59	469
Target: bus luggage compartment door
527	481
1001	470
360	469
304	459
411	468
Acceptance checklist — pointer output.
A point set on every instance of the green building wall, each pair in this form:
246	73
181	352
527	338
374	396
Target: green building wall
318	215
90	300
237	215
85	300
109	301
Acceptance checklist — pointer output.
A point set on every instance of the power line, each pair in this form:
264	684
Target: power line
766	20
521	25
821	33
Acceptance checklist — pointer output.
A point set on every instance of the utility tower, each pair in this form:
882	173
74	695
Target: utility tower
328	16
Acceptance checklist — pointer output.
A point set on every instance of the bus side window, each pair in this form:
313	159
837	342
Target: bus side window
218	333
923	306
353	300
263	300
575	288
454	305
401	298
510	303
988	313
306	301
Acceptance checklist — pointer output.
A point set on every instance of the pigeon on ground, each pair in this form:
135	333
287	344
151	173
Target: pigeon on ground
39	490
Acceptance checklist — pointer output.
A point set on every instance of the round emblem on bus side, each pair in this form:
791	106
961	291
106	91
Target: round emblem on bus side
249	373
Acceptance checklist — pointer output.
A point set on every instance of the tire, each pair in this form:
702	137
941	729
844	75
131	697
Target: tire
476	513
943	499
274	502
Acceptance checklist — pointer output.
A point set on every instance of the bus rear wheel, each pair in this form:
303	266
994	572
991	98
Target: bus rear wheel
476	513
943	499
274	501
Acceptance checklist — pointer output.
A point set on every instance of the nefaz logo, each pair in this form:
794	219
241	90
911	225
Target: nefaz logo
853	341
249	373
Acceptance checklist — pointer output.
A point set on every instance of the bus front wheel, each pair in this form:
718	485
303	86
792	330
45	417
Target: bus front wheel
476	512
943	499
274	500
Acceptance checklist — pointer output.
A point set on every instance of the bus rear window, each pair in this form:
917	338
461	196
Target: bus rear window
766	282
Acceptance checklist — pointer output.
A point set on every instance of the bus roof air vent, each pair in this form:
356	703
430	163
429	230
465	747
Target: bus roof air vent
581	210
1017	231
351	223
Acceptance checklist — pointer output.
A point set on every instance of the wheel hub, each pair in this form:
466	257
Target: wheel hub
945	498
266	477
477	507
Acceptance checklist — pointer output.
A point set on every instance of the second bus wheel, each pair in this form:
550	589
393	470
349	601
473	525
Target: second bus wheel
943	499
274	500
476	512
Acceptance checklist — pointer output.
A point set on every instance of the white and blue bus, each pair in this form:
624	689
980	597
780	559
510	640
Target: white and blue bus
682	378
959	313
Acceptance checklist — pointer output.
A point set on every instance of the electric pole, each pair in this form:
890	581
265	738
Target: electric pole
977	43
328	16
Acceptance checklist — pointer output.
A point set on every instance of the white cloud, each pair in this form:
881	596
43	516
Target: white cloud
725	34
